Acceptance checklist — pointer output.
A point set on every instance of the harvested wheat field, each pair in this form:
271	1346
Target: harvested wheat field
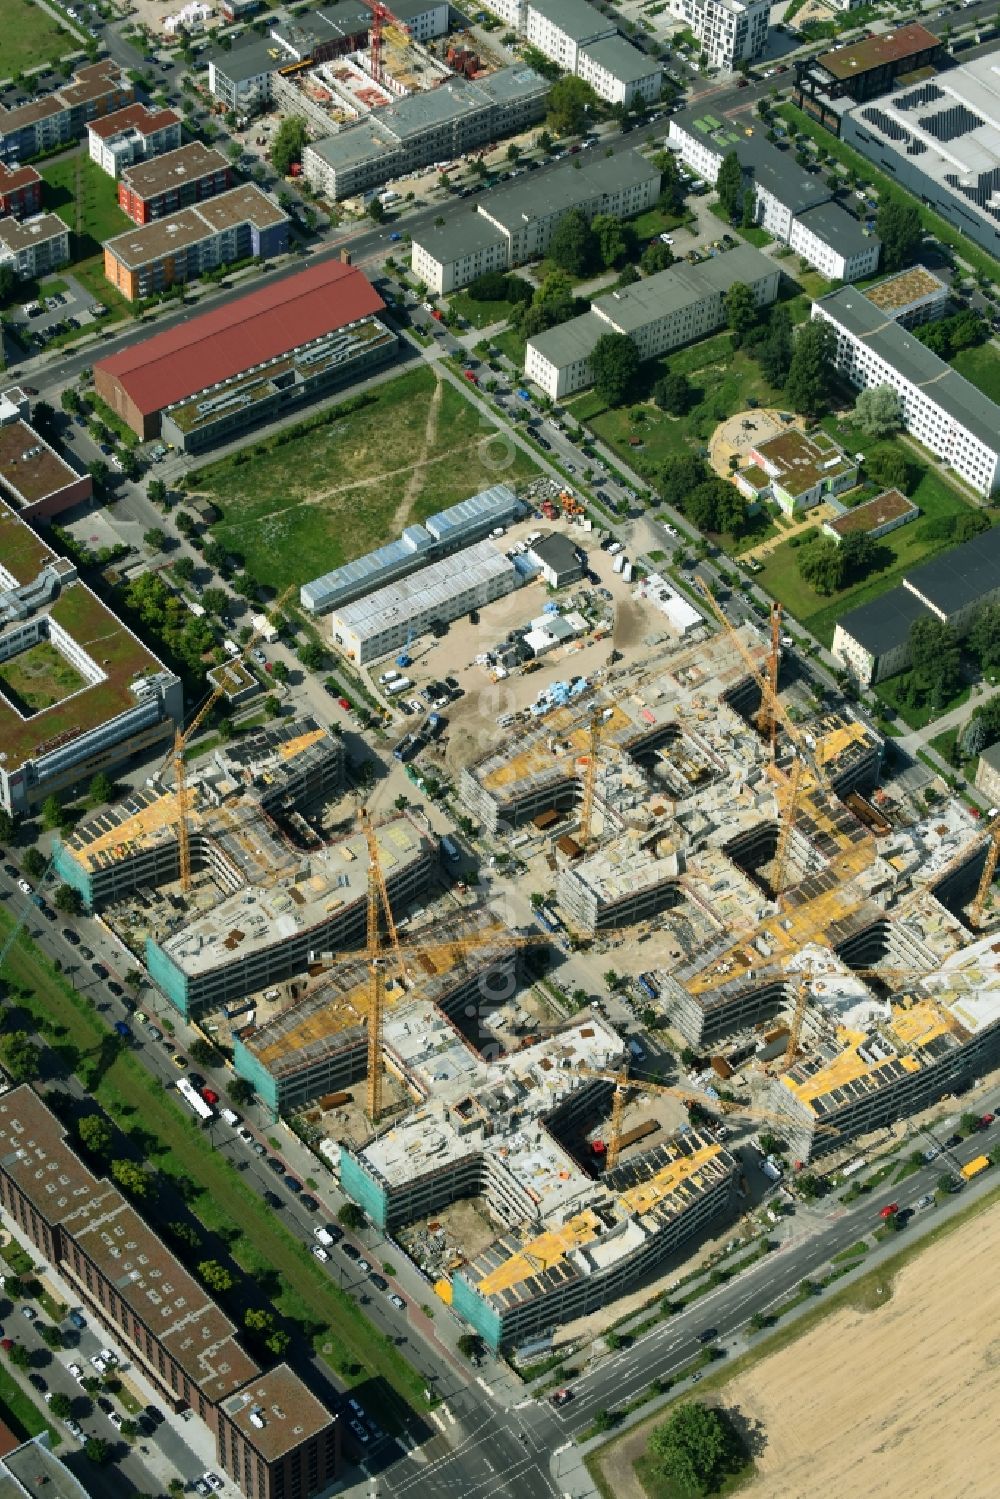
896	1403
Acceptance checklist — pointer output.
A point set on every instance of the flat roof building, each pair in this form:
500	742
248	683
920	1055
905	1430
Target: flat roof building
729	31
235	225
378	623
34	480
876	517
797	470
35	246
78	692
132	134
618	72
940	408
866	69
164	185
212	352
243	77
95	89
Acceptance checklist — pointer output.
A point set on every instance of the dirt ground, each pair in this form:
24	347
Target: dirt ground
893	1404
741	432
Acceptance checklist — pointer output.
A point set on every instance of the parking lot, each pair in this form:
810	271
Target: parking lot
67	307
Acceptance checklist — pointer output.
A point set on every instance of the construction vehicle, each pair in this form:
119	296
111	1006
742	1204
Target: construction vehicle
404	659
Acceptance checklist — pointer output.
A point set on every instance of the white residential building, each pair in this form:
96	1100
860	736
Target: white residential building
559	28
132	134
34	246
730	31
940	409
835	243
423	19
619	72
581	40
675	307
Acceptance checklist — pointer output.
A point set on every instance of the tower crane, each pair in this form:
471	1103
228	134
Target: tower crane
773	667
787	823
978	907
181	739
590	779
381	17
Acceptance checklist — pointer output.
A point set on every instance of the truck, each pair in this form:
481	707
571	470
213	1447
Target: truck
973	1168
399	685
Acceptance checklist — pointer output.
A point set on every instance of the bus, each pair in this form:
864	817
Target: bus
194	1100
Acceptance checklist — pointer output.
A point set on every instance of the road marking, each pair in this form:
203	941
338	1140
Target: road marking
436	1418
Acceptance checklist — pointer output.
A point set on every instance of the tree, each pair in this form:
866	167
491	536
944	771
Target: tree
34	864
775	348
203	1053
60	1405
20	1056
729	184
741	311
184	569
674	394
615	364
8	827
887	467
858	552
240	1091
656	257
569	101
898	227
156	491
757	1321
695	1448
185	523
681	476
312	655
513	152
983	639
749	216
20	1357
811	372
468	1344
215	601
288	143
573	247
98	1450
68	900
351	1216
878	412
935	664
70	400
216	1276
155	539
616	241
821	563
279	671
277	1342
53	816
98	471
8	284
101	789
95	1134
131	1178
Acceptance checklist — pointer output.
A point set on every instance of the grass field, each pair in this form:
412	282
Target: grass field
248	1230
86	200
416	446
479	314
982	367
30	37
21	1414
40	676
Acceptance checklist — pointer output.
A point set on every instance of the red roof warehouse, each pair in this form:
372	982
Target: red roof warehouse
219	345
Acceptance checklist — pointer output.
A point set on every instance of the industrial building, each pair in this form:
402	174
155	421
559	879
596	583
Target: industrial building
796	470
57	119
940	140
20	191
865	70
132	134
515	223
422	128
729	31
661	312
236	225
259	354
791	204
941	409
122	702
873	641
390	618
581	40
35	246
34	480
153	189
273	1437
460	525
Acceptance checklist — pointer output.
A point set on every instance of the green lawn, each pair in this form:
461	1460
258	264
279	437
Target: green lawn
86	199
328	495
754	234
512	344
21	1414
932	222
254	1236
892	692
981	366
479	314
655	221
30	37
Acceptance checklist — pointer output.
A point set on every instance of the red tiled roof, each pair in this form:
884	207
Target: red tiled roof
145	120
217	345
12	178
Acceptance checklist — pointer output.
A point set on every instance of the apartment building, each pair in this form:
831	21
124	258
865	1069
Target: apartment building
674	307
191	174
393	616
238	224
515	223
421	128
582	40
940	409
20	191
34	480
96	89
730	31
619	885
132	134
35	246
791	204
273	1437
619	72
559	28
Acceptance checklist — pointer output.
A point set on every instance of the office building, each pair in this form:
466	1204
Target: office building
873	641
796	470
939	139
33	247
558	560
422	128
674	307
34	480
515	223
237	225
390	618
460	525
825	85
20	191
80	694
729	31
132	134
59	118
153	189
943	411
273	1437
791	204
